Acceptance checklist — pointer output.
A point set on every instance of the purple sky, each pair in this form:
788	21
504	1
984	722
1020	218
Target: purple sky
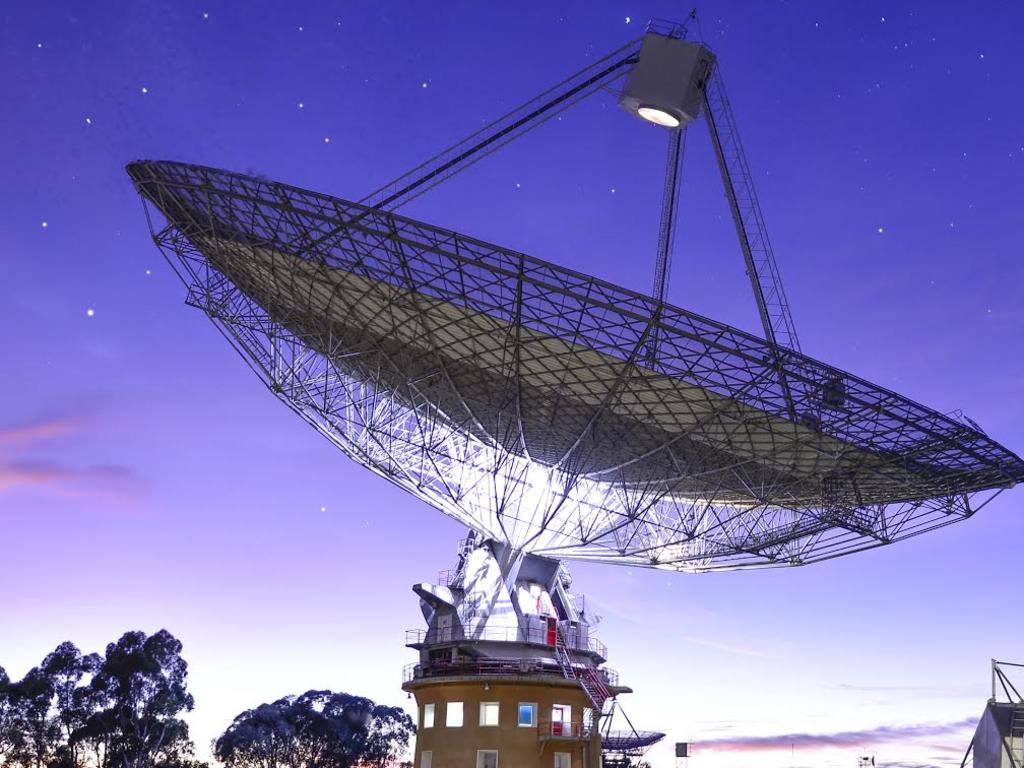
148	480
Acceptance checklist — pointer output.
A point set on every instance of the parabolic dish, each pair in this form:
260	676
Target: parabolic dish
549	409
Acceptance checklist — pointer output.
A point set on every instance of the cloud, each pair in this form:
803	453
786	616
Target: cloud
39	431
881	735
54	476
103	481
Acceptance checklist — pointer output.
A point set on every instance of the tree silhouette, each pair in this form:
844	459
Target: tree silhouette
139	690
319	729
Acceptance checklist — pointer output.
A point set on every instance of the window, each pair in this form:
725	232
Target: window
563	760
487	758
426	757
453	714
588	718
488	713
428	716
527	715
561	720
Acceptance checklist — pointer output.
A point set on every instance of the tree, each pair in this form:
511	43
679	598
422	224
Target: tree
139	691
65	670
264	737
10	734
319	729
37	731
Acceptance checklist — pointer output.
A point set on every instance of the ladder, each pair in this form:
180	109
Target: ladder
1015	738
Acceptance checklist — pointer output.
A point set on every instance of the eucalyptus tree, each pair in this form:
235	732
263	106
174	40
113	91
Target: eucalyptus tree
319	729
138	692
10	734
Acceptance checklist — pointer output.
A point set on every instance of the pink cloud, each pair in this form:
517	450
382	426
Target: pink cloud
863	738
101	481
53	476
39	431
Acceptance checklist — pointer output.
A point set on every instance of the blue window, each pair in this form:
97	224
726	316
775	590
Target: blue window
527	715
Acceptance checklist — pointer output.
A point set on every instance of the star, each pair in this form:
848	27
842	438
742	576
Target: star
327	139
145	89
301	105
45	225
323	509
423	84
628	19
40	45
149	272
881	230
90	312
88	121
206	15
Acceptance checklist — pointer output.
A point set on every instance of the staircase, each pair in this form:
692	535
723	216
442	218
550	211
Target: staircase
588	677
1015	738
593	684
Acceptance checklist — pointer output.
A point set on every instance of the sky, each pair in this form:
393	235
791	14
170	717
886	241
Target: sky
148	480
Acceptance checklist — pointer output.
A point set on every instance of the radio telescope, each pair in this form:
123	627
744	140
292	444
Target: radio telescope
554	414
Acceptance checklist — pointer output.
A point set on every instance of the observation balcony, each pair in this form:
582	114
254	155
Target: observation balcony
558	730
567	635
496	668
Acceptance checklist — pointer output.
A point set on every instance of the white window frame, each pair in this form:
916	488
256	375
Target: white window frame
429	711
533	717
460	708
565	762
479	757
567	718
426	758
497	713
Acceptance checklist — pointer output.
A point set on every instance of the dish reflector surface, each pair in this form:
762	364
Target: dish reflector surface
550	410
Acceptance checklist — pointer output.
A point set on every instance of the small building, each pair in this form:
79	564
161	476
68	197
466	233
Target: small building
999	737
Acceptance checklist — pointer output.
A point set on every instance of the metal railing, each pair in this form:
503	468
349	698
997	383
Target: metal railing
611	676
491	667
1002	682
533	635
560	729
448	577
479	667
